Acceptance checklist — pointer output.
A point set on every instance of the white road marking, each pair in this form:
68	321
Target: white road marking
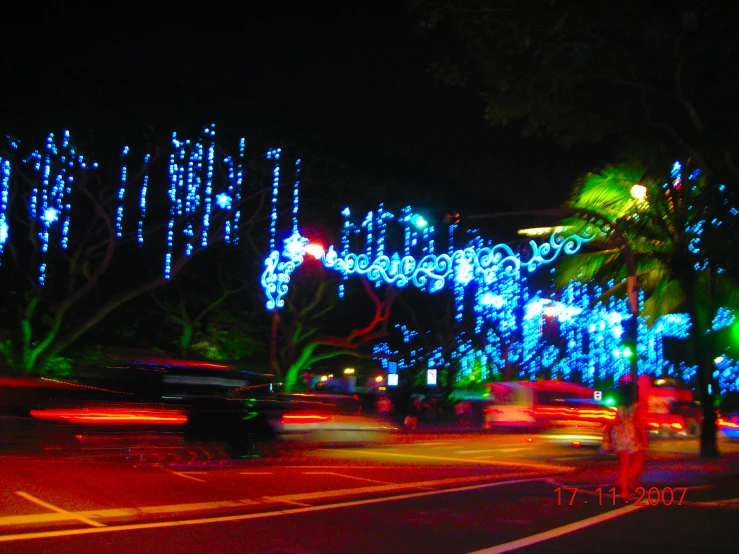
558	532
347	476
180	473
261	515
57	509
540	467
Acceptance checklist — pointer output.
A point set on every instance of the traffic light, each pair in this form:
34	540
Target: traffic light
419	222
626	351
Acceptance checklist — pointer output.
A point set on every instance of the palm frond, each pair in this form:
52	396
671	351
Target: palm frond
667	297
584	267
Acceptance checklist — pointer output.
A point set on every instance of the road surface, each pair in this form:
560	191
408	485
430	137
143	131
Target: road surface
425	494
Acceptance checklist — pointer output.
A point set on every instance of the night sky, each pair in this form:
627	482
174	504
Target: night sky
358	87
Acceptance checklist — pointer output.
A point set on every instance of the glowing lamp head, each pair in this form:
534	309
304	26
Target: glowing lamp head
550	310
419	222
639	192
315	250
349	371
379	379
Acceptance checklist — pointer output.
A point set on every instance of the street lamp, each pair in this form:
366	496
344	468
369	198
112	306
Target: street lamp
349	371
639	191
315	250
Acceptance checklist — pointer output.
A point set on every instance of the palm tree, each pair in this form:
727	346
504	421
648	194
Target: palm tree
675	232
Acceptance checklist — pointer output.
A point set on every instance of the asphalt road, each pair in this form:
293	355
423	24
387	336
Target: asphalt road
425	494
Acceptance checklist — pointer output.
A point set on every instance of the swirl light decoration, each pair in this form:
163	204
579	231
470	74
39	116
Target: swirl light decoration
429	272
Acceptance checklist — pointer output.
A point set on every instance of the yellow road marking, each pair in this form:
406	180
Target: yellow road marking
172	508
347	476
541	467
728	503
277	500
243	517
190	507
180	474
57	509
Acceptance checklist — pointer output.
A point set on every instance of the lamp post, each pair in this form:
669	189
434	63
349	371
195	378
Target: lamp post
618	239
317	252
273	344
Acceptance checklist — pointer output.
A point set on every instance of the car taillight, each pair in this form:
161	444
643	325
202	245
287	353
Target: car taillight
730	424
304	418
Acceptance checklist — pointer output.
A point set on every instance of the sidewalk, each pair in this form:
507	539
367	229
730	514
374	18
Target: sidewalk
661	470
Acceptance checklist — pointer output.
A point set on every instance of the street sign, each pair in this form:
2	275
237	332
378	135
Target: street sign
431	377
597	395
392	380
392	367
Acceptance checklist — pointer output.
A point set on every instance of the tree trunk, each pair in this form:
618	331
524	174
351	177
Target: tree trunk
291	375
709	447
188	329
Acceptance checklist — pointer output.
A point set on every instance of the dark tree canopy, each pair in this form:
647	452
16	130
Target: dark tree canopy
656	78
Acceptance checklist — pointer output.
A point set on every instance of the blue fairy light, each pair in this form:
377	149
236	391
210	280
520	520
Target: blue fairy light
142	203
274	154
4	195
224	201
122	192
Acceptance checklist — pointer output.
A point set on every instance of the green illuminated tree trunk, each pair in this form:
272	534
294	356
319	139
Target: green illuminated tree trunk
301	323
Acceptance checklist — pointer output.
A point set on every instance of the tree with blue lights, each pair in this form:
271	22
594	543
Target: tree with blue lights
79	239
678	229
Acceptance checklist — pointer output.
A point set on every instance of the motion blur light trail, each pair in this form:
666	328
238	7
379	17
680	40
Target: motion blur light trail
107	416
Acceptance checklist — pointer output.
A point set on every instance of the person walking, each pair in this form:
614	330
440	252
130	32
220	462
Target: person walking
629	441
411	420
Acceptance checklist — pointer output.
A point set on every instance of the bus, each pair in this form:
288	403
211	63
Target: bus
670	407
540	405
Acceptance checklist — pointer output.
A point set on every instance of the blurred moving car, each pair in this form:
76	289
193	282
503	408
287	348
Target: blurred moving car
119	404
509	405
728	425
328	419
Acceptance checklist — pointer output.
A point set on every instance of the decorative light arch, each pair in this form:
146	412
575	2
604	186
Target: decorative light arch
508	312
